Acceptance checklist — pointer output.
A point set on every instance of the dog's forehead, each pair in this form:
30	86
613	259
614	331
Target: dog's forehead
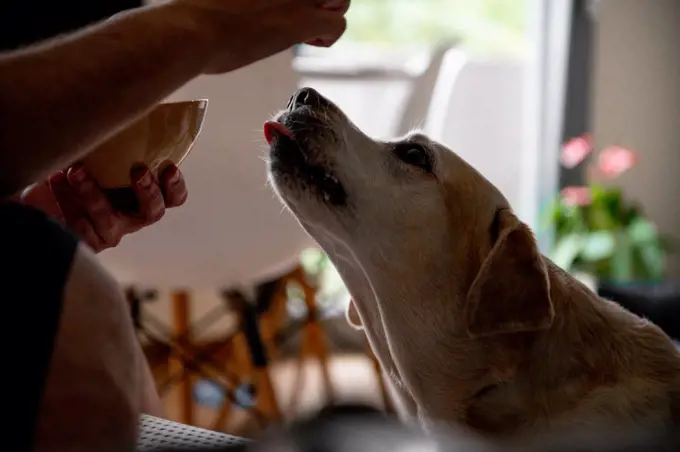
450	167
434	145
417	137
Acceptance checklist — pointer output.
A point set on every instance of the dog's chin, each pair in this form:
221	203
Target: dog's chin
300	179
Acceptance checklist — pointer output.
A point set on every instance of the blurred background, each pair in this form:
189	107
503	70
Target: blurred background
571	107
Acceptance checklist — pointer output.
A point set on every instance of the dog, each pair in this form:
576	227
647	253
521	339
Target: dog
474	327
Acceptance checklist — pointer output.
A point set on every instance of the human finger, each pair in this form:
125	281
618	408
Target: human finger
105	221
151	201
173	186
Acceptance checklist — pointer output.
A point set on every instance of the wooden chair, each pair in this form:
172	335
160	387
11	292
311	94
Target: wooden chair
243	359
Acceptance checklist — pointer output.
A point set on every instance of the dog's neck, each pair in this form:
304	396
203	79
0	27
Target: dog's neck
412	314
489	386
419	323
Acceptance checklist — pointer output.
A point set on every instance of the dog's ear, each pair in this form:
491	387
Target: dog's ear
511	292
353	316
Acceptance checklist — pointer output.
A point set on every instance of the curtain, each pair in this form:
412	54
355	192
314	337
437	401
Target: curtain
577	108
547	81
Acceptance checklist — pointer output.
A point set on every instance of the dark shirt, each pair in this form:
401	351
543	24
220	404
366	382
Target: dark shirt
25	22
37	254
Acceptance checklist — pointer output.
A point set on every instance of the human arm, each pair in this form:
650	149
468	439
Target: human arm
56	104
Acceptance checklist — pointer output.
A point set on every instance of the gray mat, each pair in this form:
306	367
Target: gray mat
159	434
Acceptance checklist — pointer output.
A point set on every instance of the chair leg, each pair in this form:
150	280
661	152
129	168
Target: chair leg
267	402
299	379
181	330
253	344
265	393
240	365
316	339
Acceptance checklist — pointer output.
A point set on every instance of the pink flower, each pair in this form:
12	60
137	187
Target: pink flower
576	196
575	150
616	160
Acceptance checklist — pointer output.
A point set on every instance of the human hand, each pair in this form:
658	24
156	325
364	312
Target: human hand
74	198
244	31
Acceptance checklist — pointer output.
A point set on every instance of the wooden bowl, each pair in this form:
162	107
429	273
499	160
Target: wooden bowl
162	137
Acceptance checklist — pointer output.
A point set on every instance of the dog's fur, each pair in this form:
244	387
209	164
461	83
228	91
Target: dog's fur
473	325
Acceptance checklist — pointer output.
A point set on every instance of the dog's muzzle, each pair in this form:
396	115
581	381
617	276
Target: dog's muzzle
296	145
307	97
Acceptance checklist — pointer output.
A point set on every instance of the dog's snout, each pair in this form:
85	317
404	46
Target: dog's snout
307	97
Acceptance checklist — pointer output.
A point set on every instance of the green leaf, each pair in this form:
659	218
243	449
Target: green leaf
642	230
598	245
606	208
599	218
550	214
630	214
313	260
566	250
596	192
653	260
622	261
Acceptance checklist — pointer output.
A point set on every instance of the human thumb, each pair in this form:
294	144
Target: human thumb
323	28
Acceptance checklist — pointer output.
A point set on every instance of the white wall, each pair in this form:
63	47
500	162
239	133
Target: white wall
637	101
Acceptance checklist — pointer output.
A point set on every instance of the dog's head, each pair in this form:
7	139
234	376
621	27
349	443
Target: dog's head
426	245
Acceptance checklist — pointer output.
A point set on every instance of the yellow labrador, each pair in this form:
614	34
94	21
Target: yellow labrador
475	328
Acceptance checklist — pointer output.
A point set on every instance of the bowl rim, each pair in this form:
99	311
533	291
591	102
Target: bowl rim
200	128
186	101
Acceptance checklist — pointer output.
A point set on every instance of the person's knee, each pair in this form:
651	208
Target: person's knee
94	387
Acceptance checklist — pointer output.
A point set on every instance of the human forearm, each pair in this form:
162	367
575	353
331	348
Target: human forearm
59	99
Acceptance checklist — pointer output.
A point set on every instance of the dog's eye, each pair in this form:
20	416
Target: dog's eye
414	154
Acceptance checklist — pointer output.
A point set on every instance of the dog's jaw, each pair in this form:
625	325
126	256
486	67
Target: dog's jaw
299	169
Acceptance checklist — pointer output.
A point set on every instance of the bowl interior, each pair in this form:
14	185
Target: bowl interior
165	135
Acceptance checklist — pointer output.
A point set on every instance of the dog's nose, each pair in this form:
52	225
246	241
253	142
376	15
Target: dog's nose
307	97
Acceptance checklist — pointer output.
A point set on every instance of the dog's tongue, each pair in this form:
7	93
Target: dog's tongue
271	128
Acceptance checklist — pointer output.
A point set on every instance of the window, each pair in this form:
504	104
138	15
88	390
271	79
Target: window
482	27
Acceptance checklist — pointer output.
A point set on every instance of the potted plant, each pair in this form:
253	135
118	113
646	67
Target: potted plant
601	236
